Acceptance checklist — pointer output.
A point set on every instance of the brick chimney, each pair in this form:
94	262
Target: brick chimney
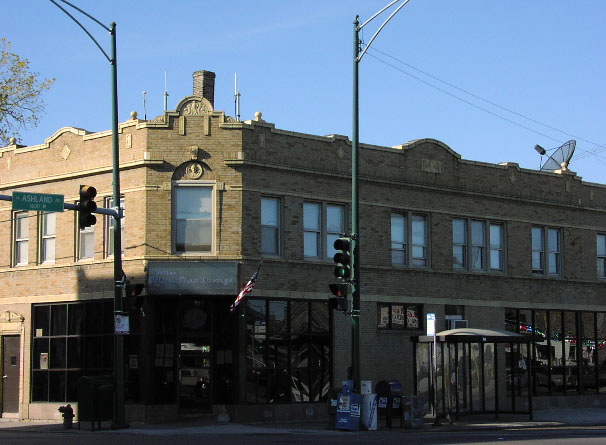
204	85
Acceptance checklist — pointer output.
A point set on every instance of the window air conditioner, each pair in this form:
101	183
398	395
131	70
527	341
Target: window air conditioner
458	324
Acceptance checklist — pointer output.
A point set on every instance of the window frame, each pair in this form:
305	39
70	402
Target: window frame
42	238
324	251
410	246
486	248
277	228
401	327
16	241
546	252
601	259
175	186
108	239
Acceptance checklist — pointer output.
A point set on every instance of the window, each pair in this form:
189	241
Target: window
109	228
401	232
311	227
483	255
21	239
288	351
193	216
398	239
601	256
270	226
459	243
47	237
86	243
319	233
334	227
478	245
546	251
496	246
537	250
399	316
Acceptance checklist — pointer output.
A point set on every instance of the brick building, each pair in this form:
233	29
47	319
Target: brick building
207	199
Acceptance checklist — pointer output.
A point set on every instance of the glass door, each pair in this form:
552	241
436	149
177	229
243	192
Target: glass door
194	374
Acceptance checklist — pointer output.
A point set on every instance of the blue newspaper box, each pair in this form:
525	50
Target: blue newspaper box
348	408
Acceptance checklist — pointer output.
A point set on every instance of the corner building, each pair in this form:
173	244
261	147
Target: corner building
209	200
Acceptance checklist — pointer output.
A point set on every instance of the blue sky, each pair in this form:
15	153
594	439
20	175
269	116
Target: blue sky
534	69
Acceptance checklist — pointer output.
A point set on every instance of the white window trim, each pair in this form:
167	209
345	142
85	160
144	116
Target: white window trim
546	252
409	245
601	257
43	237
279	227
203	183
323	233
487	247
108	227
16	240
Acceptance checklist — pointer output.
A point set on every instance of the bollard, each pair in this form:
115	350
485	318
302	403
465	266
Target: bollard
68	416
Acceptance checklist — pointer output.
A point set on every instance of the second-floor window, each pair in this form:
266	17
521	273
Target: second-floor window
109	228
47	237
193	218
601	255
21	239
546	250
319	232
270	226
409	229
86	243
486	251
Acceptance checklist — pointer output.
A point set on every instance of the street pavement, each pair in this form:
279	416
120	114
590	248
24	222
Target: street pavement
552	418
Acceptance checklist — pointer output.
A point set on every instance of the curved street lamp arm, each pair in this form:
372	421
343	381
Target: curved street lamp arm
81	26
381	27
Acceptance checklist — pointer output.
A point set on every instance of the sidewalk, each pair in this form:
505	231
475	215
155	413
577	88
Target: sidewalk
552	418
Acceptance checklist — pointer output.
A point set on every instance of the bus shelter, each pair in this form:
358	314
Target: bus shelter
478	371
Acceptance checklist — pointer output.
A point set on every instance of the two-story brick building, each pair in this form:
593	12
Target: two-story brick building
208	199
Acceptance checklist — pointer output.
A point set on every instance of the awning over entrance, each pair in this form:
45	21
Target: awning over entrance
476	371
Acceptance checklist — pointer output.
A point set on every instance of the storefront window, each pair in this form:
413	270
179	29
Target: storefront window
288	351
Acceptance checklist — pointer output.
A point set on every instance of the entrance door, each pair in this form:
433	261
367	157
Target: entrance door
10	373
194	374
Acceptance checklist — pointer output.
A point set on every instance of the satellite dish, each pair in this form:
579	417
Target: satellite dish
560	158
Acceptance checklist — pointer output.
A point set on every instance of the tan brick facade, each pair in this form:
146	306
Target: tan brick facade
246	161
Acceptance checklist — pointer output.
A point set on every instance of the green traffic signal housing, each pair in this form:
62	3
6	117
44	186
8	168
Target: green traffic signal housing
343	258
86	206
339	301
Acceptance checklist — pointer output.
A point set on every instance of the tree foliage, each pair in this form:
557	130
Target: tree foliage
21	103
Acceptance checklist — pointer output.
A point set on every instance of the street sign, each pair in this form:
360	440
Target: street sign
122	324
38	202
431	325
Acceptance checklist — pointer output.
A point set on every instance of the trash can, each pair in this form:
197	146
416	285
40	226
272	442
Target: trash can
389	406
333	401
95	399
413	411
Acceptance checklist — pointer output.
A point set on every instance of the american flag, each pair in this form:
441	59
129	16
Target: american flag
246	290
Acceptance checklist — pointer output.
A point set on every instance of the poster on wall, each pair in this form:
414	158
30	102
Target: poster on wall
44	360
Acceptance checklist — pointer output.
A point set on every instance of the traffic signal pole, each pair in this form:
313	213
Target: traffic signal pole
355	223
355	198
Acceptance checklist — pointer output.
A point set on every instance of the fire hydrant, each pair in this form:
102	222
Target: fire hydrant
68	416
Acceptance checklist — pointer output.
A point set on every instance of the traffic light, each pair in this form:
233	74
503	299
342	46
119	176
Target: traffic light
343	258
339	301
86	206
133	294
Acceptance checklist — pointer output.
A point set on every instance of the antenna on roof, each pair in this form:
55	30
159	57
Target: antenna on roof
560	158
144	107
237	99
165	94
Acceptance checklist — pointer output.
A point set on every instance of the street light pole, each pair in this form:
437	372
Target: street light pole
119	420
355	197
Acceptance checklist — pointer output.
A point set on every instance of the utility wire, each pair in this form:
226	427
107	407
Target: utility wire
586	152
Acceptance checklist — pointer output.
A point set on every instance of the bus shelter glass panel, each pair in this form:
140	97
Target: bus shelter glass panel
601	350
489	378
423	357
